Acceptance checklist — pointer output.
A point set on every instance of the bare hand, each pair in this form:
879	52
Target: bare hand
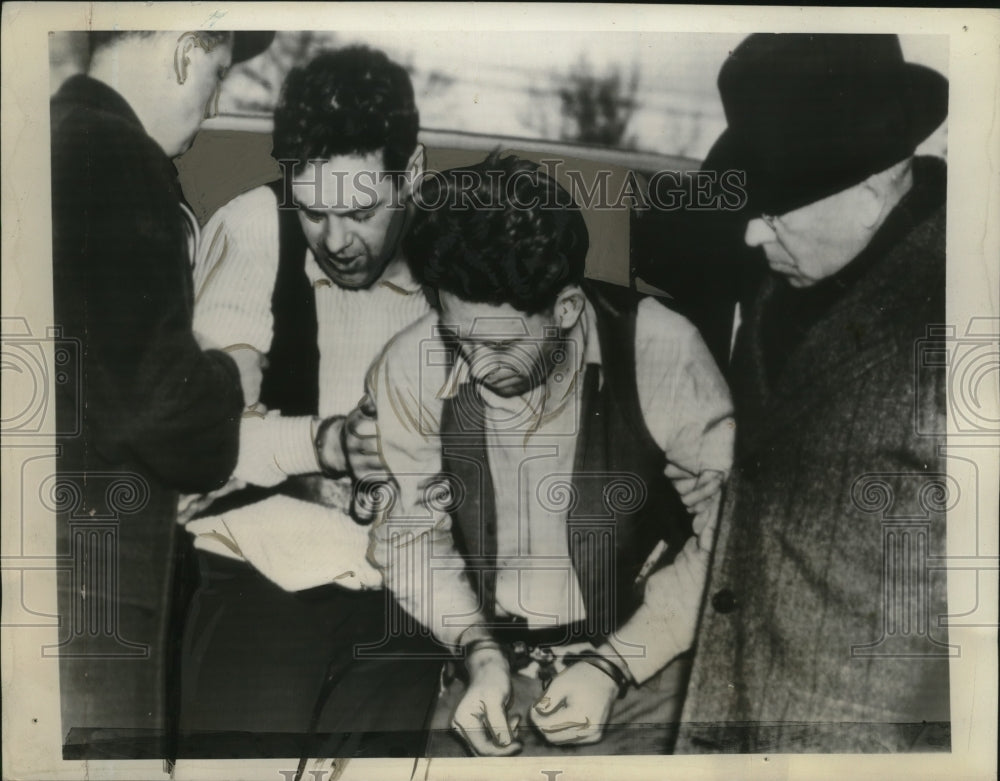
192	504
361	441
349	445
704	492
251	365
575	707
481	716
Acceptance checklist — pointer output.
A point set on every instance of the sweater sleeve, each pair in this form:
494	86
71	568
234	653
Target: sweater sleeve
123	288
412	543
234	276
234	272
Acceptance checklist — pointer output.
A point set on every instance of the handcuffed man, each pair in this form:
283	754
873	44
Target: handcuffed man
557	447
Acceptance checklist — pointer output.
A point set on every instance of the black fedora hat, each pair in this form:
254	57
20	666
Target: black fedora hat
811	115
248	44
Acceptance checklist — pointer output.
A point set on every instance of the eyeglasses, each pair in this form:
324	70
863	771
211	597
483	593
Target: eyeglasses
769	220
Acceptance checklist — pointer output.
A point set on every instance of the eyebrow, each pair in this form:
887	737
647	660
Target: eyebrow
486	339
360	210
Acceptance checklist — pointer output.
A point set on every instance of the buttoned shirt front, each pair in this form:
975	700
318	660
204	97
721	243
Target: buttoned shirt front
531	439
686	407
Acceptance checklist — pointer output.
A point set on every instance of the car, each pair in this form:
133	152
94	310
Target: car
648	214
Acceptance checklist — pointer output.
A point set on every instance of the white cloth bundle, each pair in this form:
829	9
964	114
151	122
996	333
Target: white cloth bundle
295	544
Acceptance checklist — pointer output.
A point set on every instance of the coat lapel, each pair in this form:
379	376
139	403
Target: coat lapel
844	344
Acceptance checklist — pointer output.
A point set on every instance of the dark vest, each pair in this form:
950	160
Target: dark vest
619	502
291	379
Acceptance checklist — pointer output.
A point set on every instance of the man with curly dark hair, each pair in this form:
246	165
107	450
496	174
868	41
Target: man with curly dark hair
287	633
566	441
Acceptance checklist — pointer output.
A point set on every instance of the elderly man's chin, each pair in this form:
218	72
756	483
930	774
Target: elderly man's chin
789	271
794	280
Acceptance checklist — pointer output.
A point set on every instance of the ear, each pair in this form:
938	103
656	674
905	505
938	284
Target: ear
415	167
569	307
182	55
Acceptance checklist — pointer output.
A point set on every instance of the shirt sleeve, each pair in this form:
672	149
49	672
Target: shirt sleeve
687	406
234	272
273	448
234	275
411	542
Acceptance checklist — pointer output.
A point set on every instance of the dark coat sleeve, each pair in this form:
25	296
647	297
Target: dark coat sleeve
150	395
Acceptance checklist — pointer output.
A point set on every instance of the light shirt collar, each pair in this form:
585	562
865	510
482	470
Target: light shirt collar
395	277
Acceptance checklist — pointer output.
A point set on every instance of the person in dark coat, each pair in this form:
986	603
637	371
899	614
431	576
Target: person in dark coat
820	630
152	414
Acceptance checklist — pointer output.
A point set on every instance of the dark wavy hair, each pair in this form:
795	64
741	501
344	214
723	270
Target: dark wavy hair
499	232
344	102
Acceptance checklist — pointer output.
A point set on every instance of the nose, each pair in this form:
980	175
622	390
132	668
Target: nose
481	360
337	238
758	232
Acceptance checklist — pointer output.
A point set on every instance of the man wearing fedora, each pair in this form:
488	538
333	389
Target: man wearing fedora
820	629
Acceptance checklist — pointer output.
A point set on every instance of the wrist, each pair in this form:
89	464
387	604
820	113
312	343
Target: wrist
483	651
609	652
470	634
612	672
483	658
328	444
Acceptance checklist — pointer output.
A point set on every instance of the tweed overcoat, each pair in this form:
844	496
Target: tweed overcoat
820	630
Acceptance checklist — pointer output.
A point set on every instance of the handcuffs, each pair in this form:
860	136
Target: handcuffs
520	656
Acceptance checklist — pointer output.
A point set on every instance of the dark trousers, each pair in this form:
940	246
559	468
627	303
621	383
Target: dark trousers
263	668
